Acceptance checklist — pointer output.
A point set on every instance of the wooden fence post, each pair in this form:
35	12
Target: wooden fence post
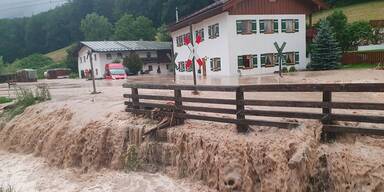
240	111
135	98
327	111
179	105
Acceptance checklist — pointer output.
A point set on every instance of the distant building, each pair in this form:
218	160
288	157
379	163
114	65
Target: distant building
153	54
236	37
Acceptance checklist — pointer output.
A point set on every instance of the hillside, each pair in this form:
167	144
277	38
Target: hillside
363	11
58	55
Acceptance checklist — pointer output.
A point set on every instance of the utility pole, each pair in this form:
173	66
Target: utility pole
92	72
195	92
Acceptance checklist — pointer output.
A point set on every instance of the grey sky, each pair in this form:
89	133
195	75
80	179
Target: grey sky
24	8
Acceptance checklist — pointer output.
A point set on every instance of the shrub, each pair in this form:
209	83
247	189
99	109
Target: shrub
9	188
5	100
284	70
133	63
292	69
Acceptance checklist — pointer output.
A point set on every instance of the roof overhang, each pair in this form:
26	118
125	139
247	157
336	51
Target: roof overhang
221	6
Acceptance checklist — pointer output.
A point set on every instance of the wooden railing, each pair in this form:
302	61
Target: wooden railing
373	57
240	105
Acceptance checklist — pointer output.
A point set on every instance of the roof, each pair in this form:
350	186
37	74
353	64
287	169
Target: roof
220	6
117	46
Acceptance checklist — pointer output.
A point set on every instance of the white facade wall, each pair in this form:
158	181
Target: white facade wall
230	45
101	60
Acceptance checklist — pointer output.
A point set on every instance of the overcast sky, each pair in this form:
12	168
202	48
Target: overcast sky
24	8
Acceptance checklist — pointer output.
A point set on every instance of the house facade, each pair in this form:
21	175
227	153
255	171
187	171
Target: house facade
153	54
236	37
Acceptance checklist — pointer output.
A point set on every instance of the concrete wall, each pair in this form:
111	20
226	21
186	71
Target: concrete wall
230	45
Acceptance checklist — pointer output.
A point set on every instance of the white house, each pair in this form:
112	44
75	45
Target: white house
238	36
153	54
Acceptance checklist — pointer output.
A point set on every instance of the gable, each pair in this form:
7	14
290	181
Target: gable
251	7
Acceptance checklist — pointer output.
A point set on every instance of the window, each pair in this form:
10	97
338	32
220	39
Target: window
81	59
214	31
179	41
200	33
269	26
94	57
215	64
84	59
247	61
291	58
119	55
246	27
185	36
269	60
109	56
167	66
150	68
149	55
289	25
181	66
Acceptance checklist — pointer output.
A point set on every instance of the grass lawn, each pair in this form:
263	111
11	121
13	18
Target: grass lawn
5	100
58	55
373	10
359	66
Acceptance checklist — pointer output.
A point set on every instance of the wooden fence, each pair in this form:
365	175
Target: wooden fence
363	57
139	104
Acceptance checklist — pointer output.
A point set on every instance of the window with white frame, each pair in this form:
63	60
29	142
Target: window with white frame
215	64
214	31
289	25
269	26
245	27
269	60
291	58
247	61
109	56
181	66
200	33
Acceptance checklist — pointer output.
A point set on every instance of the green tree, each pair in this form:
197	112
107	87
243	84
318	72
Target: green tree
133	63
163	34
96	27
359	32
326	53
130	28
339	22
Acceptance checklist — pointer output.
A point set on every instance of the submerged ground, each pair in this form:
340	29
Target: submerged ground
73	143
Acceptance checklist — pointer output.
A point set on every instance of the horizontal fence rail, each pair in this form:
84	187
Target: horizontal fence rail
237	110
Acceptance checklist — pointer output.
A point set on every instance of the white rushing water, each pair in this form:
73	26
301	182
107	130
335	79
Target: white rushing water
27	173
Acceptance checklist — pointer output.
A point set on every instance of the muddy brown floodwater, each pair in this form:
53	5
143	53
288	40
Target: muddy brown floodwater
78	141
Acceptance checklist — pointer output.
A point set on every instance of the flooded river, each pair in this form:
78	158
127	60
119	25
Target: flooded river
27	173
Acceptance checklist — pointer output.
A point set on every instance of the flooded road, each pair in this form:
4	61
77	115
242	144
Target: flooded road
27	173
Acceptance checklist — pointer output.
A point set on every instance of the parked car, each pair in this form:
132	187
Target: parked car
115	71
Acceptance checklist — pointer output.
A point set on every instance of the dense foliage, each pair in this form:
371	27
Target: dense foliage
345	2
350	35
133	63
96	27
60	27
326	53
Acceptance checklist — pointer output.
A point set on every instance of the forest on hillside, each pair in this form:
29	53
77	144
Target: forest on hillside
60	27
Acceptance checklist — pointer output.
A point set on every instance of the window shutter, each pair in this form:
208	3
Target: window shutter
254	61
283	25
240	62
210	32
296	25
263	60
211	64
254	26
262	26
239	27
276	25
275	59
196	34
284	59
297	58
217	30
202	34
